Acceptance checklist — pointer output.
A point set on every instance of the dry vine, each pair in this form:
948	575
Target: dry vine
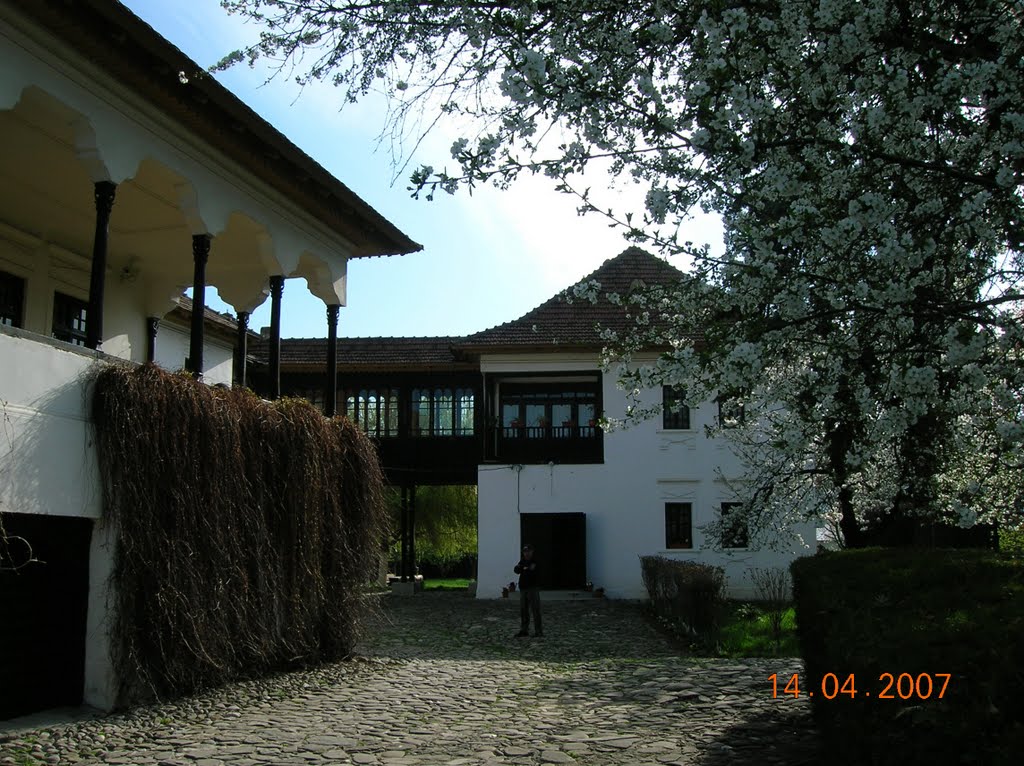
245	530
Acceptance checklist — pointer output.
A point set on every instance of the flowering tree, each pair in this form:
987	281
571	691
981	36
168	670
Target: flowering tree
866	157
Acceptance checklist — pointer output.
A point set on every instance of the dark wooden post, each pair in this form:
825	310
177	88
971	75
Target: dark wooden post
404	530
152	325
276	291
200	254
331	392
412	534
104	194
242	348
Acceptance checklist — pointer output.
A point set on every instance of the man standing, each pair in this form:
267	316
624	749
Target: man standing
529	594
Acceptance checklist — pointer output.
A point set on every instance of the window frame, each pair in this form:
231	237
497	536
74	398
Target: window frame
674	410
12	293
724	509
579	442
729	402
69	333
440	403
672	542
357	406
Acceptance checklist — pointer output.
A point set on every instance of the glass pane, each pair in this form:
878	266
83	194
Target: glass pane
587	415
420	425
443	412
463	412
561	415
392	414
510	415
536	415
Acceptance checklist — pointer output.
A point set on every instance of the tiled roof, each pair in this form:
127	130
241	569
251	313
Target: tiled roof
567	321
366	353
555	324
210	316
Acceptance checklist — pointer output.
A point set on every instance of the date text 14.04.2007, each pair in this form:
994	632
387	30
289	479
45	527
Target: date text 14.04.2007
890	686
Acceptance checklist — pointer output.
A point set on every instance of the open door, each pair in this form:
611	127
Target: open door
43	606
559	541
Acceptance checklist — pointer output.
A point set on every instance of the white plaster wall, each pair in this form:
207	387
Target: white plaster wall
623	499
47	461
172	346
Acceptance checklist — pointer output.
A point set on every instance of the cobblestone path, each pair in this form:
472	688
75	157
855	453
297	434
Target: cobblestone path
442	681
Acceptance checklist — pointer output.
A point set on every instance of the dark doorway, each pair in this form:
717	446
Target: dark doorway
43	606
560	546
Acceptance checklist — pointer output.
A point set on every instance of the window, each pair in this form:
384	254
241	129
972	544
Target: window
678	525
375	410
536	413
731	411
69	319
675	415
442	412
12	299
734	526
546	418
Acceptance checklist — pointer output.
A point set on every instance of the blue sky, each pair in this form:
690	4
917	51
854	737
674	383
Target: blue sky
488	257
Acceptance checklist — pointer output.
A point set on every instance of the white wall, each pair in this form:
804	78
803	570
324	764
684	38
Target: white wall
47	461
172	346
623	499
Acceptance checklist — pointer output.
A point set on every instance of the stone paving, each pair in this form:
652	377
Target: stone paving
442	680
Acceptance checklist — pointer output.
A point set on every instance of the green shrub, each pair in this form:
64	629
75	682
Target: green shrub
904	612
1012	541
685	593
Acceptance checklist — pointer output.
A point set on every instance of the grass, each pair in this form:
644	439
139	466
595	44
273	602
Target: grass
747	632
449	583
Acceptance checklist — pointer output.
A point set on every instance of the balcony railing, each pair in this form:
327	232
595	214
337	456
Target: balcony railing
567	443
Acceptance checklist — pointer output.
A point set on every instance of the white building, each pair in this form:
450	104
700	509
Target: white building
592	503
514	409
128	176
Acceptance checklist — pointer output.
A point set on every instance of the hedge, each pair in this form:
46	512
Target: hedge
917	615
685	593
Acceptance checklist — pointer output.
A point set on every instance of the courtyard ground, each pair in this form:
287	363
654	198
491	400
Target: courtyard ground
442	680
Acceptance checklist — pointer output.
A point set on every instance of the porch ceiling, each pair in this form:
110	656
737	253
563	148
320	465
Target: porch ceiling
112	38
46	191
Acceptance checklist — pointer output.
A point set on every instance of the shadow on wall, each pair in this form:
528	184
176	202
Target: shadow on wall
48	459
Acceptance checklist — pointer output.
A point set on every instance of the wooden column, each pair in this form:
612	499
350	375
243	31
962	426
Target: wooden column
104	194
276	291
152	325
200	254
331	391
403	513
242	349
412	533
